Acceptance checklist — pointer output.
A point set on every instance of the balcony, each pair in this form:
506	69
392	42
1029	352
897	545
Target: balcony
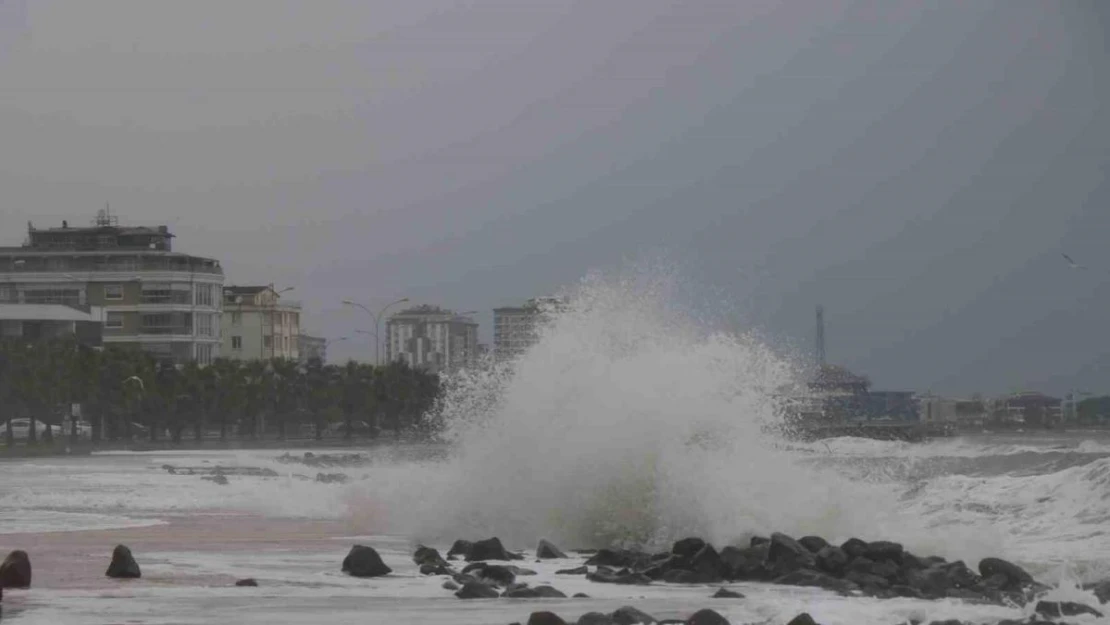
77	263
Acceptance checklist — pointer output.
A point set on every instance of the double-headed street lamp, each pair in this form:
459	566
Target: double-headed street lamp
377	322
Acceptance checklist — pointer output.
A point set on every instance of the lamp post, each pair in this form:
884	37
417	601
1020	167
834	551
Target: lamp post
377	322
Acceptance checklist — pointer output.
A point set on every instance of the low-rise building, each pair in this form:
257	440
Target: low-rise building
259	325
163	302
44	322
432	338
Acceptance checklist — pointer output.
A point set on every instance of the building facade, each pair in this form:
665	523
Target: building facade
432	338
163	302
259	325
312	348
45	322
516	328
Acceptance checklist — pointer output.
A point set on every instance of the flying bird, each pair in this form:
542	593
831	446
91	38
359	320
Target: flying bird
1072	263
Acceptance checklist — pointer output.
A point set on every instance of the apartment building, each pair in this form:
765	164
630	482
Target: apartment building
312	348
258	324
432	338
163	302
516	328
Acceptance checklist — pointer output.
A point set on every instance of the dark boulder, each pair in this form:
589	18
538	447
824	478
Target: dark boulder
1057	609
539	592
435	569
578	570
489	549
545	618
1101	590
1016	576
759	540
491	573
249	582
477	590
815	579
854	547
868	582
745	564
802	619
881	550
906	591
707	617
912	562
832	560
363	561
123	565
15	571
610	557
595	618
682	576
460	548
581	595
449	585
547	550
216	479
426	555
687	547
786	555
629	615
813	543
725	593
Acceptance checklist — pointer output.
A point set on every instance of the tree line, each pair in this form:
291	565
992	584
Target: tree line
125	392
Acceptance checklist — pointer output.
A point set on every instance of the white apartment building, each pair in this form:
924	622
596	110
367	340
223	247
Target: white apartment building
163	302
432	338
516	328
259	325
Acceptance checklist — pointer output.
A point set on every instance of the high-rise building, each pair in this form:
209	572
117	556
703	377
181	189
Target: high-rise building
516	328
258	324
163	302
432	338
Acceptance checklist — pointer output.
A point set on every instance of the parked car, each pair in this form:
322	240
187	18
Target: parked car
21	427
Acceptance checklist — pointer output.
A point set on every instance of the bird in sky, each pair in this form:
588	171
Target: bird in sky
1072	263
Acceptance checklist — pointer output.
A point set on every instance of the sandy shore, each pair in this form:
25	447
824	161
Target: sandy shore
77	560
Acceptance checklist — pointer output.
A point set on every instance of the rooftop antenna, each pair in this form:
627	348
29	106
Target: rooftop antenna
104	217
820	336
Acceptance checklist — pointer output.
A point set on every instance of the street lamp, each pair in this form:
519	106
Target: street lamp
377	322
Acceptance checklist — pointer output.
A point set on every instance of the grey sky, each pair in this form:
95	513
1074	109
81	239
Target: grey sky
916	167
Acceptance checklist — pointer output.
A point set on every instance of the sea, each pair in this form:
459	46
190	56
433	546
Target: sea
632	422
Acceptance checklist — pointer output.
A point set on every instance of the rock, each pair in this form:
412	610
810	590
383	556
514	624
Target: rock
520	571
707	617
216	479
250	581
123	565
489	549
759	540
745	564
595	618
682	576
539	592
629	615
867	581
1057	609
624	577
580	570
363	561
169	469
609	557
426	555
816	579
450	585
581	595
881	550
435	569
491	573
832	560
15	571
460	548
786	555
725	593
708	565
1016	576
547	550
854	547
802	619
331	478
813	543
1101	590
545	618
476	590
687	547
912	562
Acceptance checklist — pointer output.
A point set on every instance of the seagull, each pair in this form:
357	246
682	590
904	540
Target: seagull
1072	263
137	379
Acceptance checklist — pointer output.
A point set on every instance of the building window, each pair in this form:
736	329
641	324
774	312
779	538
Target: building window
236	318
204	295
113	291
204	353
165	294
114	320
267	342
236	342
204	325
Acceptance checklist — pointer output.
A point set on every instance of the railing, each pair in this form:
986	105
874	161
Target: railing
181	330
97	263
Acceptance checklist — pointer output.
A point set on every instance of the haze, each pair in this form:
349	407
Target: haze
917	168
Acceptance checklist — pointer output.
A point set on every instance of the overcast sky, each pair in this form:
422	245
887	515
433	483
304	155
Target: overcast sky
917	167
